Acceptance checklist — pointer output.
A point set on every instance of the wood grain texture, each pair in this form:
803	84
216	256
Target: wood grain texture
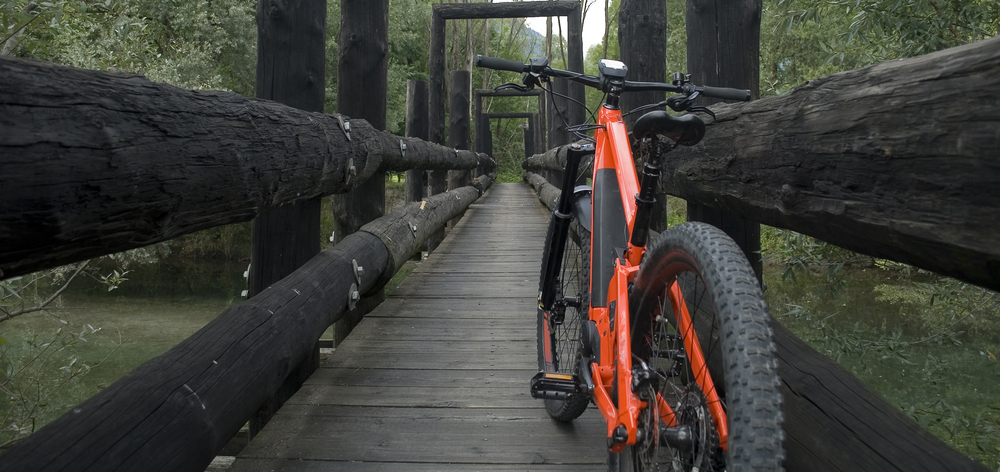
436	378
100	162
406	229
897	160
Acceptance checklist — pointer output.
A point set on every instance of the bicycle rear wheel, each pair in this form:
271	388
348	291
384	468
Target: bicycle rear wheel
559	329
716	302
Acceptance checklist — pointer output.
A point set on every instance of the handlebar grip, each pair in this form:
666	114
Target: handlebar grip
726	93
496	63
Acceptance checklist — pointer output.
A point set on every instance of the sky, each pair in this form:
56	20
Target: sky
593	24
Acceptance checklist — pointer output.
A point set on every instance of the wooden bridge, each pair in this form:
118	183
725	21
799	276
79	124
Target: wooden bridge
435	378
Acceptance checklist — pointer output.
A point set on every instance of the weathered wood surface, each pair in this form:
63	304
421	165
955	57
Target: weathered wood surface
291	64
416	127
898	161
362	92
642	46
406	229
100	162
436	378
548	194
553	159
177	411
723	50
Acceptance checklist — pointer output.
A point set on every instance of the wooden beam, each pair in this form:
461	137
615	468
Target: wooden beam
176	411
100	162
461	11
896	160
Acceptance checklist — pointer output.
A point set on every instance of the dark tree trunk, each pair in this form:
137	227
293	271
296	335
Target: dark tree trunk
83	177
897	161
362	87
723	50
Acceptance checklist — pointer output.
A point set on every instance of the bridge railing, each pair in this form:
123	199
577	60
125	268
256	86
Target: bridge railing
96	163
898	161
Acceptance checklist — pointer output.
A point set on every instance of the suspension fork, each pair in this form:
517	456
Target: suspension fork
561	218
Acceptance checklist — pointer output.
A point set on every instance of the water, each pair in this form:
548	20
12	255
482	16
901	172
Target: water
936	362
109	332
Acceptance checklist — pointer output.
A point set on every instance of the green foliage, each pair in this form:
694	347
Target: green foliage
33	374
806	39
195	44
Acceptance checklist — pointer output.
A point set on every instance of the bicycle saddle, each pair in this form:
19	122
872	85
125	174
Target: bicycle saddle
686	130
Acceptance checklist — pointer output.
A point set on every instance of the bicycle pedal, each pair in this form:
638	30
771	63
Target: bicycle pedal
550	386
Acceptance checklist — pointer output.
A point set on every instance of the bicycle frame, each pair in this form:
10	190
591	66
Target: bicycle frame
614	174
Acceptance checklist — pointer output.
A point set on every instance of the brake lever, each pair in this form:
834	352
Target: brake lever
519	88
686	103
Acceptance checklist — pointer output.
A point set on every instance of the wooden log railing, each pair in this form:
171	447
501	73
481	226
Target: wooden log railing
96	162
176	411
898	161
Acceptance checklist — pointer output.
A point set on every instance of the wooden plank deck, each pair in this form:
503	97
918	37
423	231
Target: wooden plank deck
436	378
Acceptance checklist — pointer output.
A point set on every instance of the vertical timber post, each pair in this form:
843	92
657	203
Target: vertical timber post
437	179
642	43
362	88
576	113
459	133
416	127
723	50
291	61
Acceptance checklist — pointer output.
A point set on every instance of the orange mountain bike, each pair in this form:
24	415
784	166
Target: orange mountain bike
671	340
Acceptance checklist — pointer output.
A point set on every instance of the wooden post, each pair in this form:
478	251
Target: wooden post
459	132
362	87
723	50
291	60
576	113
437	181
416	127
559	115
642	43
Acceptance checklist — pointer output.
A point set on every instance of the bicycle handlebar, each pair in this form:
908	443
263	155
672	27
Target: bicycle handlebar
724	93
496	63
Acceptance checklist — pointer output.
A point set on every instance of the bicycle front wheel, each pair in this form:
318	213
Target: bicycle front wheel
700	322
559	329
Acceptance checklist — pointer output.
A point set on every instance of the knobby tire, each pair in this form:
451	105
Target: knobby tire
730	318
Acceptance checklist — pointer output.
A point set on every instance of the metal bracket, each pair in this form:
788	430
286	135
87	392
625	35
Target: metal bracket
413	227
402	148
353	296
345	126
358	270
351	171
